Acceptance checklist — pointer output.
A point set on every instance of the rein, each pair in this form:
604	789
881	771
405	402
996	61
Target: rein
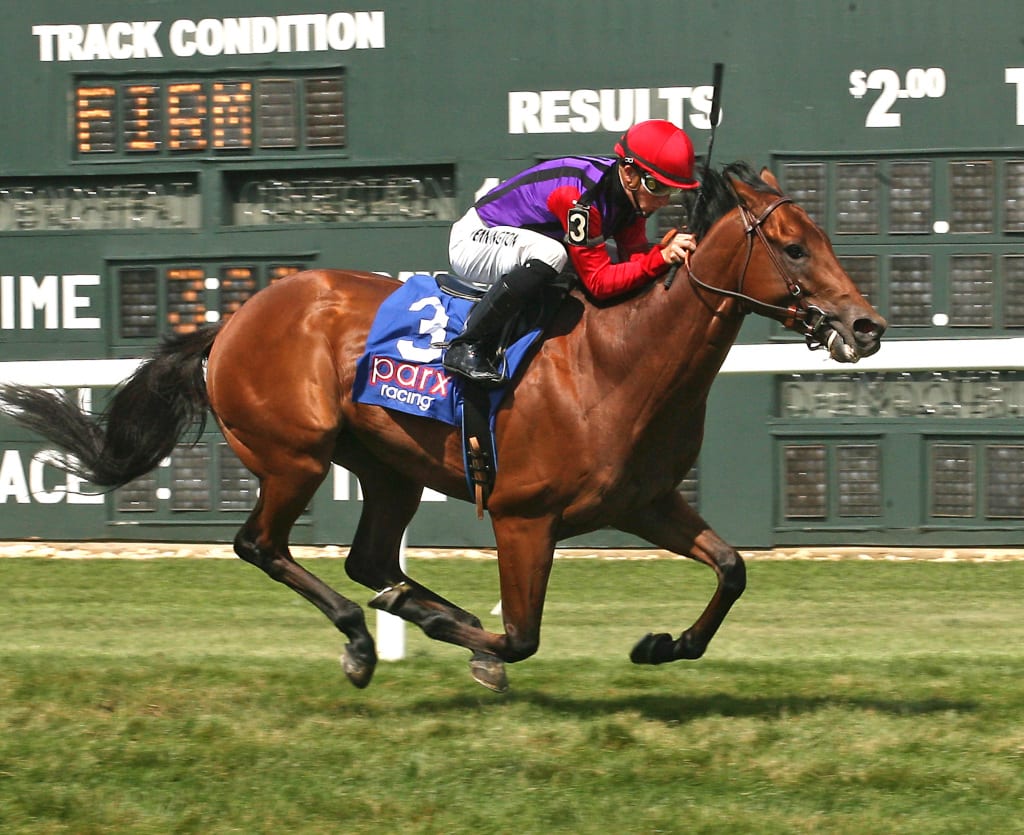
806	319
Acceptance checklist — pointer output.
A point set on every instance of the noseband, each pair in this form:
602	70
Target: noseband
806	319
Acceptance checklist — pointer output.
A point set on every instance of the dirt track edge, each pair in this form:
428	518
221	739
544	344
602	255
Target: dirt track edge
193	550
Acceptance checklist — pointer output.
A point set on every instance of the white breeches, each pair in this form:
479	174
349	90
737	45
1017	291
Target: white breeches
483	254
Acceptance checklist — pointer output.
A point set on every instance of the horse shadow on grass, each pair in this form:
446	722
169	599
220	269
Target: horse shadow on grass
675	709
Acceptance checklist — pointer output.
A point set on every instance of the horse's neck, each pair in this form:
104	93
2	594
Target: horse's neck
670	343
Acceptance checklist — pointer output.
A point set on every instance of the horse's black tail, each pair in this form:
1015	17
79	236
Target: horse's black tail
150	411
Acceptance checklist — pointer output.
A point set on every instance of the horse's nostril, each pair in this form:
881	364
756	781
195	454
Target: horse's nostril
868	327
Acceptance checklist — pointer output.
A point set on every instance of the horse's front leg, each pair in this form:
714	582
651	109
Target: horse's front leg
526	550
525	553
670	523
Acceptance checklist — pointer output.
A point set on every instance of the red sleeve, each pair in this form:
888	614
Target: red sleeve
600	276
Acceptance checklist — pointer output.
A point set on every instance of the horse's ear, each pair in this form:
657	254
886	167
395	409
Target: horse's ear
769	178
745	193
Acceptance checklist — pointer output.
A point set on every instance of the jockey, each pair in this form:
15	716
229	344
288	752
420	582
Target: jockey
520	235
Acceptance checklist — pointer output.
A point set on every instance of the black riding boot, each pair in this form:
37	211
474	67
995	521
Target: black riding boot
472	353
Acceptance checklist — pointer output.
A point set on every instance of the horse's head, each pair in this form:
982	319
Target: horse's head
789	270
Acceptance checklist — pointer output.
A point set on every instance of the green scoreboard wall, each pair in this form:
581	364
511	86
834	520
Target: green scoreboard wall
160	162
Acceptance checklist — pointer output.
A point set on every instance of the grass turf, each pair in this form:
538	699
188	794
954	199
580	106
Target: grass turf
197	696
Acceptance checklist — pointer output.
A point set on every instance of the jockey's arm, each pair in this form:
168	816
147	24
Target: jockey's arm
602	278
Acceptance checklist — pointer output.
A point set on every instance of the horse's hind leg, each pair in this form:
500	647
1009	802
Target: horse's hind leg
263	541
389	502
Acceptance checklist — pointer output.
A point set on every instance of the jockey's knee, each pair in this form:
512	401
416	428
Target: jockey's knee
550	252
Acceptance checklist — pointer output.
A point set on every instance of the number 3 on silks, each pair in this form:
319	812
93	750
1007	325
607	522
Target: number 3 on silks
435	326
578	223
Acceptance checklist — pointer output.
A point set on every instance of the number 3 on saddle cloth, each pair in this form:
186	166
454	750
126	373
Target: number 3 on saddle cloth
401	367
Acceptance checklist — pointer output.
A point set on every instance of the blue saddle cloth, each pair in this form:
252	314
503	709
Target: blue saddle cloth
401	368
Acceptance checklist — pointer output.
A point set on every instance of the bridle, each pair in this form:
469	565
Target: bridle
806	319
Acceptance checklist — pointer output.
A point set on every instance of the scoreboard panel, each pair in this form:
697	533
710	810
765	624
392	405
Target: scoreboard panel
187	117
245	113
143	121
161	171
95	109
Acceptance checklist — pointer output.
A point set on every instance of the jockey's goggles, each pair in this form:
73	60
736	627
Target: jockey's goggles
656	187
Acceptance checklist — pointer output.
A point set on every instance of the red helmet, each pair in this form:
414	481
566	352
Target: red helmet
660	148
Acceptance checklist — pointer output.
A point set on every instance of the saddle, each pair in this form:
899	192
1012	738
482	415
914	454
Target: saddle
459	287
401	368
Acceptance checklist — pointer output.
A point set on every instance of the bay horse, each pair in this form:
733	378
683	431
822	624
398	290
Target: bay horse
597	431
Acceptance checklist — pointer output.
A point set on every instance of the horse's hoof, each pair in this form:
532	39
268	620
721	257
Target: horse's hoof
653	649
489	671
358	669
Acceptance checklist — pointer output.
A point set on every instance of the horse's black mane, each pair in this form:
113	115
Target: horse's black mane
717	197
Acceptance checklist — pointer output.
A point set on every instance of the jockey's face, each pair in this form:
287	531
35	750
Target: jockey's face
644	198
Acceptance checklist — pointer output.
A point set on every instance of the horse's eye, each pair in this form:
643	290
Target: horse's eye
795	251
